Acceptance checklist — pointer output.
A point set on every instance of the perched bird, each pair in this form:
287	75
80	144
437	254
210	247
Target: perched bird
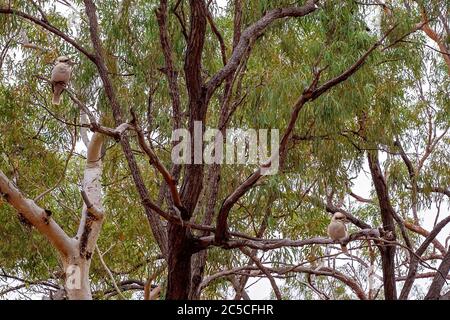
337	230
60	77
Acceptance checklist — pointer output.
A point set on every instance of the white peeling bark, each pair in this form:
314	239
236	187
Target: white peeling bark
77	283
92	187
83	131
75	253
77	266
36	216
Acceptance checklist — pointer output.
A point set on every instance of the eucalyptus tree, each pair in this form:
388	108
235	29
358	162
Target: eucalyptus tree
357	89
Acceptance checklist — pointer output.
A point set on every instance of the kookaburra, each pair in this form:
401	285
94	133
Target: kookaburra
60	77
337	230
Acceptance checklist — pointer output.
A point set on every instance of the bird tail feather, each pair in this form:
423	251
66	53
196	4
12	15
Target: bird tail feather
57	90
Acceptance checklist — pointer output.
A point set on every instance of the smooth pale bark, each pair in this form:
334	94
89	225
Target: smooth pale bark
77	278
83	131
75	253
90	225
36	216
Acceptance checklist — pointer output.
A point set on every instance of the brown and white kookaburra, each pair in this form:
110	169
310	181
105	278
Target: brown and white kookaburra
60	77
337	230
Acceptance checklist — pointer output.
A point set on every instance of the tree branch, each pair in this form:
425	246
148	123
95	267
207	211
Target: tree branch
161	15
264	270
414	261
309	94
154	160
252	32
155	223
49	27
323	271
36	216
434	292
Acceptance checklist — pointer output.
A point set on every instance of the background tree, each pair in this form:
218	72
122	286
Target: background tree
358	90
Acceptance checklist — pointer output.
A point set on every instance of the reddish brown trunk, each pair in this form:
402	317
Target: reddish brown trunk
387	217
179	262
434	293
180	239
198	268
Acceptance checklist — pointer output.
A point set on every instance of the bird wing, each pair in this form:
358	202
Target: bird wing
337	231
61	73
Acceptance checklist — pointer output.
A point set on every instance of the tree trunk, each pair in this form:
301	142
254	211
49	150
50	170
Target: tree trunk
179	263
77	278
180	238
198	268
434	293
387	217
